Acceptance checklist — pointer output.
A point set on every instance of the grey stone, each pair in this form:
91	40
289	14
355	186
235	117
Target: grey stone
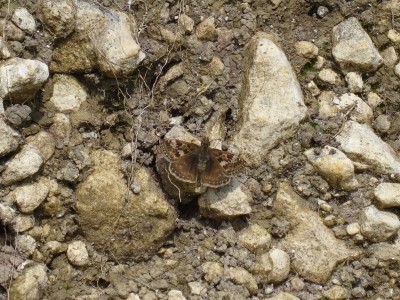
316	251
271	101
353	48
378	226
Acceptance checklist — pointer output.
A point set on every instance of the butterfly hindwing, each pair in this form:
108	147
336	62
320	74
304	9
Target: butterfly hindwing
230	163
185	168
214	175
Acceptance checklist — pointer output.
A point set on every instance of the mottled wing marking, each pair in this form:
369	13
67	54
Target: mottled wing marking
185	168
230	163
214	175
174	149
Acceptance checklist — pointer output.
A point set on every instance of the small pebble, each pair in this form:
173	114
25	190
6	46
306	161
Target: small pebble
353	228
322	11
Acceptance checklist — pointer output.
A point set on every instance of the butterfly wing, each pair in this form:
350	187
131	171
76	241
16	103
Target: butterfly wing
214	175
229	162
185	168
174	149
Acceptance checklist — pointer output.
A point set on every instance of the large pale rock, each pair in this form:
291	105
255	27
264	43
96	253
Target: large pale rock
367	150
59	16
21	166
24	20
114	219
225	203
103	39
9	139
387	194
29	196
271	101
30	284
68	94
353	48
377	225
21	78
334	166
316	251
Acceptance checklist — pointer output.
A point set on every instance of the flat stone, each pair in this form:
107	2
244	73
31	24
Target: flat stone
20	78
353	48
255	237
29	196
377	225
225	203
271	102
367	150
315	249
387	194
24	20
23	165
68	93
334	166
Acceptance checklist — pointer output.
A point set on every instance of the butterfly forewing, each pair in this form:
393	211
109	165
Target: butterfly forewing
174	149
214	175
230	163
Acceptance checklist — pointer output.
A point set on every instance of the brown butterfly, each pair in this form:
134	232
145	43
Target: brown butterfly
202	165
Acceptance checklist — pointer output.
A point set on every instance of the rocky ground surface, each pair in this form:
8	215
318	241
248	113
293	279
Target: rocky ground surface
306	91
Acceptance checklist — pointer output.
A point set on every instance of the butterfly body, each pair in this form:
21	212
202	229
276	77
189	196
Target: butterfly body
201	165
